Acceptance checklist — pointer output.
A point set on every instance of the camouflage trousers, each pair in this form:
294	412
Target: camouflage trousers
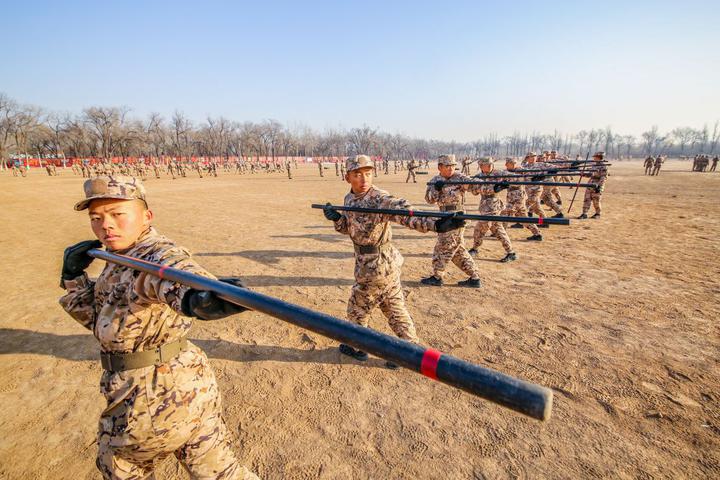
391	300
591	196
491	206
656	171
547	198
450	248
516	208
411	173
173	408
533	202
648	170
556	193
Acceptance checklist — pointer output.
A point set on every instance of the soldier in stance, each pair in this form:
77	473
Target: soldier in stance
449	246
714	163
161	393
412	166
515	205
649	162
593	196
657	165
490	204
377	261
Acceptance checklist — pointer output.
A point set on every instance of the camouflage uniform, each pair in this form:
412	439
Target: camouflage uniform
658	164
377	274
449	246
490	204
649	161
412	166
154	411
516	203
598	177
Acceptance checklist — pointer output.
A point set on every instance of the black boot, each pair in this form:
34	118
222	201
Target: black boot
391	366
351	352
473	252
510	257
559	202
516	225
470	282
535	238
530	214
559	215
597	215
544	225
582	217
432	280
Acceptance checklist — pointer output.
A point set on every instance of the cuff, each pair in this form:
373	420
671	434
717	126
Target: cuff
76	283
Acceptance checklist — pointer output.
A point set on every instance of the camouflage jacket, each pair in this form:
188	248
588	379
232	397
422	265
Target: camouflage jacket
374	229
487	190
599	177
453	195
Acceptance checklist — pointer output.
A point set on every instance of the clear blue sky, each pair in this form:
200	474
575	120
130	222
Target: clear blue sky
449	70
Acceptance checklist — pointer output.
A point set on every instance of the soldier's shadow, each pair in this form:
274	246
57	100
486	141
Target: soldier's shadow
84	347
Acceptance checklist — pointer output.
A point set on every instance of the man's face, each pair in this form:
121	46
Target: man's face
119	223
510	166
360	180
530	159
446	171
486	167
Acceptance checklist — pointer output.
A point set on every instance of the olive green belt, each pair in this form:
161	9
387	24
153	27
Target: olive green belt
370	249
118	362
448	208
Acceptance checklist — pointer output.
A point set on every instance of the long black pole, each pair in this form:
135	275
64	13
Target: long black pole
488	182
524	397
461	215
578	184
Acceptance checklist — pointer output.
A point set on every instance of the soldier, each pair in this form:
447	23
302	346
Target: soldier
156	168
533	191
161	393
650	161
287	167
466	162
449	246
714	163
598	177
490	204
377	261
555	191
516	203
412	166
657	165
337	167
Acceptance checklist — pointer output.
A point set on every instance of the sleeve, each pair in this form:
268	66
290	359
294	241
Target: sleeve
341	226
79	301
421	224
431	194
153	289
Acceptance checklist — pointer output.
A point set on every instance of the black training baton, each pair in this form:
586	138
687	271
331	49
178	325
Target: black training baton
461	215
524	397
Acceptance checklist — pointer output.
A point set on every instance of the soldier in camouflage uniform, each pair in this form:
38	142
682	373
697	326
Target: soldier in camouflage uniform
533	191
649	161
449	246
593	196
490	204
377	261
515	202
161	393
411	167
660	160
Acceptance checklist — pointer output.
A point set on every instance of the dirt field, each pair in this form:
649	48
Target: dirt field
619	316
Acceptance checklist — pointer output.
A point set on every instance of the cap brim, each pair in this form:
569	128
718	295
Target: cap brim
84	204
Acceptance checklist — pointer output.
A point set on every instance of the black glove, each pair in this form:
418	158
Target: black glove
575	164
331	214
206	305
76	259
538	178
500	186
552	171
439	185
449	223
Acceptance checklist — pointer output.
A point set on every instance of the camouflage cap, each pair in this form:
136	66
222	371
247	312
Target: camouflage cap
121	187
358	161
447	160
530	154
510	160
486	161
599	155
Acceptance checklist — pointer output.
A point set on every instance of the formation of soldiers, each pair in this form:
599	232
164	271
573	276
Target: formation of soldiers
653	165
162	397
701	163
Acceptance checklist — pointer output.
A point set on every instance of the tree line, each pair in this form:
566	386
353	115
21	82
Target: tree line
31	131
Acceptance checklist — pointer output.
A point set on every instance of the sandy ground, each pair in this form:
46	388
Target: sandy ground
619	316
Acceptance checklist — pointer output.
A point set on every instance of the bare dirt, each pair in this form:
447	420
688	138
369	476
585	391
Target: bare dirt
619	316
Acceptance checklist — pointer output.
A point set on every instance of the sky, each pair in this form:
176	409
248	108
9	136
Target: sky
445	70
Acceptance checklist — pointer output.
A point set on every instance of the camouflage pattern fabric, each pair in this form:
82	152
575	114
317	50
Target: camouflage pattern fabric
490	204
377	275
157	410
598	177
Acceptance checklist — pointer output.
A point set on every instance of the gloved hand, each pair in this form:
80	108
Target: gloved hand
575	164
76	259
448	223
439	184
538	178
501	186
552	171
207	305
331	214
